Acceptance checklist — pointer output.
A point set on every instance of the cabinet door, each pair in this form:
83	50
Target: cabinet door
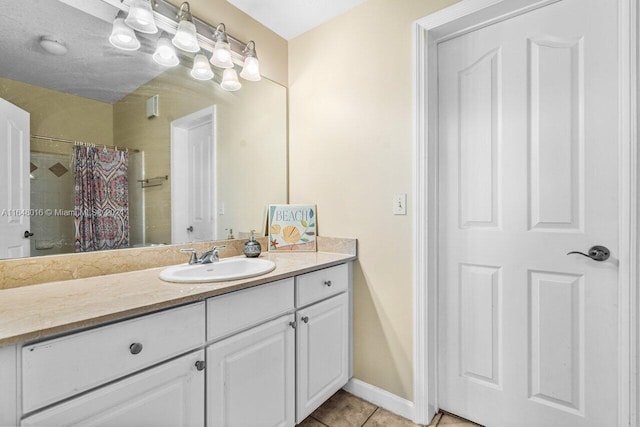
8	385
250	377
170	395
322	353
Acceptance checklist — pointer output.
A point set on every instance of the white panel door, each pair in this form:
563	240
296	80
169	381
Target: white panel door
250	377
322	362
528	153
14	181
170	395
193	177
201	187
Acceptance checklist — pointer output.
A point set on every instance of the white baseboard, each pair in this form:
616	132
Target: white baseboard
380	397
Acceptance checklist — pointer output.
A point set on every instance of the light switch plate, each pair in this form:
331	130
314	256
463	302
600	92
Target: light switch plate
400	204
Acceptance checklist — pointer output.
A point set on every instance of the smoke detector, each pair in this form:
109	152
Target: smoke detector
53	45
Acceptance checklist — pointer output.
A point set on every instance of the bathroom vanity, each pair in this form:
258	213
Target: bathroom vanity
130	349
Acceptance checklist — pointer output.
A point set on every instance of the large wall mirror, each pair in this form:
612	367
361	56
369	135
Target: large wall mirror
179	159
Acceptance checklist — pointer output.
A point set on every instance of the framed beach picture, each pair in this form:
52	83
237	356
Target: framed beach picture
292	228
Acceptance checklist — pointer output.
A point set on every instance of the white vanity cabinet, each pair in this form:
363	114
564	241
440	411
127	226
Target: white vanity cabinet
168	395
323	337
278	372
251	377
8	385
322	353
114	364
58	368
251	374
267	355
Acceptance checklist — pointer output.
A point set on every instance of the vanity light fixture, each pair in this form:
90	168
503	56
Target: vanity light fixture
149	16
165	53
230	80
140	17
122	36
186	38
221	57
201	68
251	68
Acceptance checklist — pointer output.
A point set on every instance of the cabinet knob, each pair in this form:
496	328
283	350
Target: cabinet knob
305	319
200	364
328	283
292	324
135	348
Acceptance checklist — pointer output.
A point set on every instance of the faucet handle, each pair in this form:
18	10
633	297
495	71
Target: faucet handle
194	255
215	252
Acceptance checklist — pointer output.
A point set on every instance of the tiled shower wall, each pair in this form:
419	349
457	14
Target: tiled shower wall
52	204
135	172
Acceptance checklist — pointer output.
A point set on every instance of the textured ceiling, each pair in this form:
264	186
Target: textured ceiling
290	18
92	68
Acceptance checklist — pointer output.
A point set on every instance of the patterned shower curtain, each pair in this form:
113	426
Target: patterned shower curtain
101	199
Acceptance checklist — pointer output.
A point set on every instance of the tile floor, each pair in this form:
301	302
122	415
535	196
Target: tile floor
345	410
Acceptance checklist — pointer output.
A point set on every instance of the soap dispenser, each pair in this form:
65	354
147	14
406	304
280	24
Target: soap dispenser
252	248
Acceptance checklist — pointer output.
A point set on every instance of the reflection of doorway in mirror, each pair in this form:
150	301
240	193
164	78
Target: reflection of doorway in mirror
14	191
193	177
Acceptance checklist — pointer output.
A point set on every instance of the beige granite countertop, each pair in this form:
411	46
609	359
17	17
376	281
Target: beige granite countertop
37	311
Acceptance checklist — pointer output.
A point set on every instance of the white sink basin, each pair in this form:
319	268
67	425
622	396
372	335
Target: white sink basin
225	269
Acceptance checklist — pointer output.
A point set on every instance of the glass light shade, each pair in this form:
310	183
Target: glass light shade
123	37
165	53
201	69
230	80
140	17
185	38
251	69
221	57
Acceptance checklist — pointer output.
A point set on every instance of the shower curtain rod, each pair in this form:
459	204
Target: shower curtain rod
71	141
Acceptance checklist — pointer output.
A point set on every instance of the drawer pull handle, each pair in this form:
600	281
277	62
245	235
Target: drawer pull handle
305	319
135	348
328	283
200	364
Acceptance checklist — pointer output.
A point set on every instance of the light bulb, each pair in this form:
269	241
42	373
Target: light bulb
122	36
201	69
221	57
185	38
140	17
251	69
165	53
230	80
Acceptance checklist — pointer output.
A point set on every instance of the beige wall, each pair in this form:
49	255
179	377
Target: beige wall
350	94
58	114
271	48
251	130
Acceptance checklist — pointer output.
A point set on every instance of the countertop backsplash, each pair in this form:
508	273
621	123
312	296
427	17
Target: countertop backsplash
20	272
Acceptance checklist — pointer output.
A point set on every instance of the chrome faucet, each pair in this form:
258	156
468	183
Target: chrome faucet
207	258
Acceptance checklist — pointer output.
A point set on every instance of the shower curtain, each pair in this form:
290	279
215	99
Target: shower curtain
101	199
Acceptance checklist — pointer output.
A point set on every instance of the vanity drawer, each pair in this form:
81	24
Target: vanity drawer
56	369
321	284
233	312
